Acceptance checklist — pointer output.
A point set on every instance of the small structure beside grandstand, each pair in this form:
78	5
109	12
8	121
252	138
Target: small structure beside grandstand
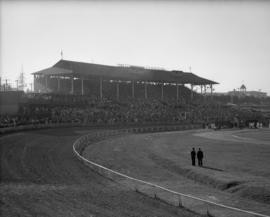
10	101
116	82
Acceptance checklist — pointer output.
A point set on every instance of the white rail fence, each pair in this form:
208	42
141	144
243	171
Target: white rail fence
198	205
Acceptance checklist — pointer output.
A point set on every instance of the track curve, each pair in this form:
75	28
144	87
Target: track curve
40	176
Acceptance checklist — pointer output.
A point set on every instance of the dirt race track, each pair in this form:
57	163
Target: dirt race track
40	176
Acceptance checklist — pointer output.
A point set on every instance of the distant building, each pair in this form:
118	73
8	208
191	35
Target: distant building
10	101
242	92
243	89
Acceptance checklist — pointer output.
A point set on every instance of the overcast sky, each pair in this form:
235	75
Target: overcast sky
228	42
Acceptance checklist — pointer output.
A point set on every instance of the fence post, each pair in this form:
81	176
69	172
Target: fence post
180	202
208	212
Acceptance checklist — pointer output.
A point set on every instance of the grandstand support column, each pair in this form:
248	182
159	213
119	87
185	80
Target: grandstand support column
191	92
117	91
72	85
177	92
204	94
46	83
162	91
100	88
145	91
201	89
211	87
35	86
58	84
82	86
205	90
133	89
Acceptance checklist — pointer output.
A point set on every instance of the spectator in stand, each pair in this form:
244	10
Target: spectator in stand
53	108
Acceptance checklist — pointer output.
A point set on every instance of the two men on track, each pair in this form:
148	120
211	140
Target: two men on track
199	157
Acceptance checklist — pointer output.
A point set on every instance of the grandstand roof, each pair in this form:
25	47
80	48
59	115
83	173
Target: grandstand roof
54	71
90	70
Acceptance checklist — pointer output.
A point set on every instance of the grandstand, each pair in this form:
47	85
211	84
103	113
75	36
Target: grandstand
93	94
116	82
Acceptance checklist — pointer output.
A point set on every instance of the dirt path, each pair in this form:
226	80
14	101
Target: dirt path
40	176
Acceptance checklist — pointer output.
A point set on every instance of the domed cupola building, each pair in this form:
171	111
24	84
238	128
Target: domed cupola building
243	88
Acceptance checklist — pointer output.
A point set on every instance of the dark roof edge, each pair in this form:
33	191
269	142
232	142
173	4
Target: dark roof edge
201	81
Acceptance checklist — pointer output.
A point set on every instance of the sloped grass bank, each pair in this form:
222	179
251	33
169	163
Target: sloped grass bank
248	186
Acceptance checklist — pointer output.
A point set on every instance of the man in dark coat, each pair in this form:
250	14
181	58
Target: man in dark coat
200	157
193	156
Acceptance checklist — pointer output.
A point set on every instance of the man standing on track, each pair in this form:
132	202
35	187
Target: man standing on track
200	157
193	156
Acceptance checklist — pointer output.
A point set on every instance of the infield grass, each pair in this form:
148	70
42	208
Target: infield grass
236	170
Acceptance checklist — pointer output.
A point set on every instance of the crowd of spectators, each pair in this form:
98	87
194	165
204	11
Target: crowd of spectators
91	110
48	108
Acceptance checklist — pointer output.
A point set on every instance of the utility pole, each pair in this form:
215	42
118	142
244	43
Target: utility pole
17	87
21	80
6	85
